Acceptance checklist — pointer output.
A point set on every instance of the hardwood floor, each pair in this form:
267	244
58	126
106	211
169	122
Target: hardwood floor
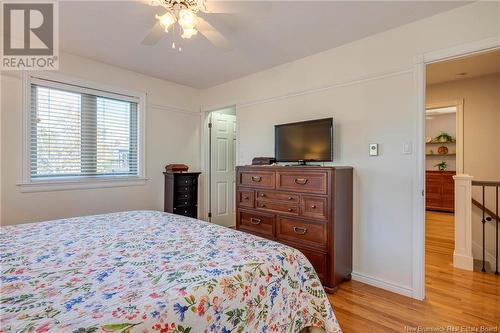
454	297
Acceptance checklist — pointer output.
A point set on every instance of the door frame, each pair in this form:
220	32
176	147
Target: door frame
419	71
205	156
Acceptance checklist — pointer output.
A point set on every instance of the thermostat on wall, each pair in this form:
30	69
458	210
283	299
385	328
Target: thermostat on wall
373	149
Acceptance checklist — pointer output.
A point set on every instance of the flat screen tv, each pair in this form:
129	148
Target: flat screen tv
306	141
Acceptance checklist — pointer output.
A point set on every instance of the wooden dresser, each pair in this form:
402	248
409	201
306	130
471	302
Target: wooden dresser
440	191
306	207
181	193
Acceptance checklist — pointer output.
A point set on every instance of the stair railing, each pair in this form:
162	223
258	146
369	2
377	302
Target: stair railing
488	216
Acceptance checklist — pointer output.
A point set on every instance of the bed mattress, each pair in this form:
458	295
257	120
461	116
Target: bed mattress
149	271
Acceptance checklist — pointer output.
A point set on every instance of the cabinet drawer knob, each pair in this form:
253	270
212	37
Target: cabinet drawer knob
313	206
301	181
256	178
263	205
246	197
299	230
262	194
290	198
290	209
255	221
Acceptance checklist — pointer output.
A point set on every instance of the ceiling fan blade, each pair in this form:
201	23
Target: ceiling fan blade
232	7
212	34
155	34
219	7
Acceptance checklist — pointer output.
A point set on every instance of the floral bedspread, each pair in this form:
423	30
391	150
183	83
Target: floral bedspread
148	271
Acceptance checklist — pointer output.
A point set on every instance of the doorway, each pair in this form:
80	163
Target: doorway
443	151
222	162
461	107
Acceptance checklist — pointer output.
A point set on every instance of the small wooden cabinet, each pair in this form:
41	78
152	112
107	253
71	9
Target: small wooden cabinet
306	207
440	191
181	193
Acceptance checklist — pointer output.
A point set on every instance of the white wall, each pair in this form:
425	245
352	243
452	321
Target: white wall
368	87
172	135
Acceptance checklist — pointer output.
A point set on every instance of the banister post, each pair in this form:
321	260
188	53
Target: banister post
462	256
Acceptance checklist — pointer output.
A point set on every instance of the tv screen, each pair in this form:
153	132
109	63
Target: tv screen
304	141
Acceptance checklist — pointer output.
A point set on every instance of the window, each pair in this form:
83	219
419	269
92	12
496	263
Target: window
78	133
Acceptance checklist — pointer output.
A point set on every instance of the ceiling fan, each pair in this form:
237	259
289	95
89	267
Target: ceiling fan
188	17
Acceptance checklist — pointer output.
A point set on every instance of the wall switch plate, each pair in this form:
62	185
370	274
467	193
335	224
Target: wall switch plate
373	149
407	148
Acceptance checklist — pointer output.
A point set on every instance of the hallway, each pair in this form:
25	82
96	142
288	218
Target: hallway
454	297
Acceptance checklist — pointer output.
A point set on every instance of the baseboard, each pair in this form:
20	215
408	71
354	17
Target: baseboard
463	262
376	282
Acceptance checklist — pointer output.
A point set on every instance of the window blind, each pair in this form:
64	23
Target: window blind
81	133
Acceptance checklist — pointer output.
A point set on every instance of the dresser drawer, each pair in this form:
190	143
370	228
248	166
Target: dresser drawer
432	202
302	232
279	196
185	180
302	182
314	207
261	179
281	207
318	261
189	200
183	196
433	178
190	211
257	223
185	188
245	198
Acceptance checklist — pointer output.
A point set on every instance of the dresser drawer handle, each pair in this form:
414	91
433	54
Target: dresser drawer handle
262	195
313	206
290	209
299	230
246	197
255	221
256	178
263	205
301	181
290	198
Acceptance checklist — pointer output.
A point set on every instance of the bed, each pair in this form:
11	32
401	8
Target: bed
149	271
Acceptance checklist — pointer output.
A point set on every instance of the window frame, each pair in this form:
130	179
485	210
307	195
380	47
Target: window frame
57	80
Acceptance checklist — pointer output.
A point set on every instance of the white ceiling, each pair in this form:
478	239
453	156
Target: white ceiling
464	68
112	31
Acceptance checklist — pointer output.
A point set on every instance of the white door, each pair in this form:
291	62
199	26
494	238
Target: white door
223	169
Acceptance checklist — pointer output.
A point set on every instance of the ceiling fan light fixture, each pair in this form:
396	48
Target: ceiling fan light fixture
187	18
188	33
166	20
